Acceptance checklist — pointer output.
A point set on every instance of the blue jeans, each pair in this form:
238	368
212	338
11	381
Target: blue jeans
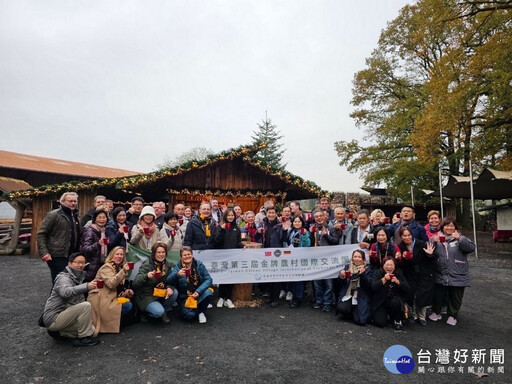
202	304
323	292
297	288
158	307
126	307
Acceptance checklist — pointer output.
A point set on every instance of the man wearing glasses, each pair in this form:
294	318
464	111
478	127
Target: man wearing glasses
407	220
66	313
133	213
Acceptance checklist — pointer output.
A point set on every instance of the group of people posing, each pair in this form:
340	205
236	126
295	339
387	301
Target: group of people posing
400	269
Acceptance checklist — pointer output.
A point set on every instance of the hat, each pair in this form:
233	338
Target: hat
346	209
147	210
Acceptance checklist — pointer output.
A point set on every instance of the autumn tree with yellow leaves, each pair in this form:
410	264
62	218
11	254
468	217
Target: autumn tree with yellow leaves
435	92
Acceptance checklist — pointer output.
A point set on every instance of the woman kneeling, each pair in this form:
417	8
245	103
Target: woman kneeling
192	282
151	292
390	290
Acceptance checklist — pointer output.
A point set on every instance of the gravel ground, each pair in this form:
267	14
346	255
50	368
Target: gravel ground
252	345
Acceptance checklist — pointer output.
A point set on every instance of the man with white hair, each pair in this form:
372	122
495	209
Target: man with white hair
59	234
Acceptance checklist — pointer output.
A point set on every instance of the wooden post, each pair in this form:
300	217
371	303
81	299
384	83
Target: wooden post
243	292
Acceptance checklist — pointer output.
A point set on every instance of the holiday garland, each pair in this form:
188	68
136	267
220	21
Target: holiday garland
128	182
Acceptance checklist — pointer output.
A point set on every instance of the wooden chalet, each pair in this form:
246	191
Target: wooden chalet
232	177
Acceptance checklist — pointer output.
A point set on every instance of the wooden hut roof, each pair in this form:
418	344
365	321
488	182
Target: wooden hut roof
230	173
65	167
8	184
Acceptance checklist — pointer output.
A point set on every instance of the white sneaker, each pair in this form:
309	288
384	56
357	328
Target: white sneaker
220	303
202	318
228	303
282	294
289	296
209	306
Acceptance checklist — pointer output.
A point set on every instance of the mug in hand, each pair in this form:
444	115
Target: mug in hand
228	226
348	274
100	283
131	264
157	275
188	271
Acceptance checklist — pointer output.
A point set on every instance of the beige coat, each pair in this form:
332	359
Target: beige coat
106	312
139	240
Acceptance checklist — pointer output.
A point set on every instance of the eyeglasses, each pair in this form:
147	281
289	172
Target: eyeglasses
78	262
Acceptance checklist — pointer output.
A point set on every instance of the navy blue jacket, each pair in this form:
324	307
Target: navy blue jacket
274	236
180	283
115	238
195	235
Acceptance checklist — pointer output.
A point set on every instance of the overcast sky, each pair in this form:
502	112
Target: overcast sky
128	83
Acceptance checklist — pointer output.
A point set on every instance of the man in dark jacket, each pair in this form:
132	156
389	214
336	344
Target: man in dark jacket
363	233
273	236
59	235
133	213
201	230
407	220
323	234
66	313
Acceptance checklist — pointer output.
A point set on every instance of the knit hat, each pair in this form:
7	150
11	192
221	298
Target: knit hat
147	210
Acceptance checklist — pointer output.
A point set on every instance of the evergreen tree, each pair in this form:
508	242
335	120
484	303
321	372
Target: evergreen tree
272	154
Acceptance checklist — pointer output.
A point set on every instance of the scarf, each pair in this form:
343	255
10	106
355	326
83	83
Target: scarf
114	266
125	234
433	229
193	279
354	282
103	250
403	224
177	231
251	231
160	266
206	223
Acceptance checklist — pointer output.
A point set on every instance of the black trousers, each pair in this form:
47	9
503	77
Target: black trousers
454	294
57	265
226	290
393	307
